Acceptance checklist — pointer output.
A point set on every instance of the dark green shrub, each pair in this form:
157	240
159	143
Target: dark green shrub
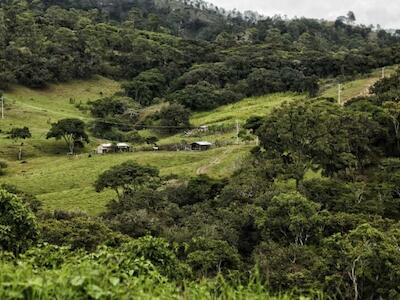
18	226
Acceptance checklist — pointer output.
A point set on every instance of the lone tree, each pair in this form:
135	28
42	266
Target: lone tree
20	133
126	177
70	130
351	17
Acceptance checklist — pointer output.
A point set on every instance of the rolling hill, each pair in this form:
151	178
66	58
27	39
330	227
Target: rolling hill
68	180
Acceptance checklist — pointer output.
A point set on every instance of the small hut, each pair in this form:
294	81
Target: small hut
104	148
203	128
123	147
107	148
201	146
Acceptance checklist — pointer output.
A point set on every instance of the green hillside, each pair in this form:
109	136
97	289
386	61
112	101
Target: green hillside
55	102
38	108
69	181
242	110
356	88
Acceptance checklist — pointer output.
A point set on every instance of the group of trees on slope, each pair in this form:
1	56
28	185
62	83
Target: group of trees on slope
51	41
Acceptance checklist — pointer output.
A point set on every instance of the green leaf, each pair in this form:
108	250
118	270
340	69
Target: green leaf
114	281
77	281
95	291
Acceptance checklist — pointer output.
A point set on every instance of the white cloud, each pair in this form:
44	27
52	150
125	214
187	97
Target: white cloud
383	12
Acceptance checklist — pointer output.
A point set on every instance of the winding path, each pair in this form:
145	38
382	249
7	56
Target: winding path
205	168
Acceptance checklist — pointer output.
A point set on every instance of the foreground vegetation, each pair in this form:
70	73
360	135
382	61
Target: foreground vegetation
133	270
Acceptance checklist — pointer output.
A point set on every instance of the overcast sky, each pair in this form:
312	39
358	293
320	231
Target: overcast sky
383	12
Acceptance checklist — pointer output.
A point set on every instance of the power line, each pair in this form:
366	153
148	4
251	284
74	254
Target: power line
142	125
146	126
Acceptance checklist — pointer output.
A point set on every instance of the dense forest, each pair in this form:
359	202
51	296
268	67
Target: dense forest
213	58
314	210
41	43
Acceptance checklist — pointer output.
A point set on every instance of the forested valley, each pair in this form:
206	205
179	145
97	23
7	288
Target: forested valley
312	209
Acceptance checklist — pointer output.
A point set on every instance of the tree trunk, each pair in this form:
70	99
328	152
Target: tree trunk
353	277
71	147
20	153
396	126
70	141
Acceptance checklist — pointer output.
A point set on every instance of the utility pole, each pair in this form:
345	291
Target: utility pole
340	94
237	132
2	107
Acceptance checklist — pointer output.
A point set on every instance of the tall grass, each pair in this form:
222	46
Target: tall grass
146	268
88	280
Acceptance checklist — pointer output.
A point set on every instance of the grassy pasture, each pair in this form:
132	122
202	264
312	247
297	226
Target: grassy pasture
242	110
67	182
38	108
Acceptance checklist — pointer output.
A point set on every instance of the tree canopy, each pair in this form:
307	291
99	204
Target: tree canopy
127	176
70	130
18	226
184	51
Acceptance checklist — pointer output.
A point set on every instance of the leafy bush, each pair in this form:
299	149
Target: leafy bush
209	257
18	226
33	203
199	189
78	232
20	133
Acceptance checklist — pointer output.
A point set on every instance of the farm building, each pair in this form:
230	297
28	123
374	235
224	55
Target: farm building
123	147
201	146
104	148
203	128
107	148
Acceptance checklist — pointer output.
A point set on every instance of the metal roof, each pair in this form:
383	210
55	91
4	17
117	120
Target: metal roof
203	143
106	145
123	145
109	145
